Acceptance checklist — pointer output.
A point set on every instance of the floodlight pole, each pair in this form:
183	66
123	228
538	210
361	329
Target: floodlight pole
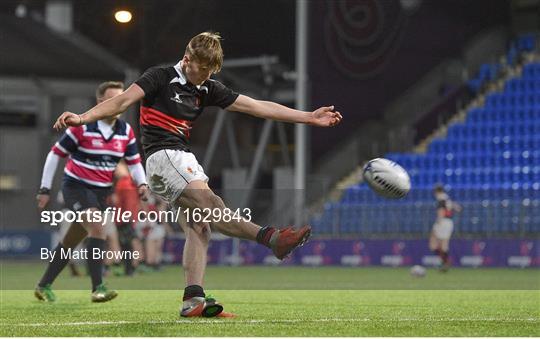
301	104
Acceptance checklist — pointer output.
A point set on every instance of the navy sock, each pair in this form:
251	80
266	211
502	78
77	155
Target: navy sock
55	267
95	266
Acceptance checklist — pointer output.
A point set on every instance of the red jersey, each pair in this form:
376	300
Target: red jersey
127	196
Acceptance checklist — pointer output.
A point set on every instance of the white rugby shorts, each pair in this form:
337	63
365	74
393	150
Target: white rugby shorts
110	228
443	228
150	231
168	172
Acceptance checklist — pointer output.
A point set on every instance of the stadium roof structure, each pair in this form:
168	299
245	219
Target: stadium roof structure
31	49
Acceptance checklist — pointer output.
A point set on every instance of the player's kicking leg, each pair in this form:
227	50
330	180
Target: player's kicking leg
281	241
179	179
198	195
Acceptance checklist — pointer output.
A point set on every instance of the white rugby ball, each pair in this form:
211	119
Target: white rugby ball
387	178
418	271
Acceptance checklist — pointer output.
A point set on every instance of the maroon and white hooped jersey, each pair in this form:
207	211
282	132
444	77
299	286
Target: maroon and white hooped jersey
92	157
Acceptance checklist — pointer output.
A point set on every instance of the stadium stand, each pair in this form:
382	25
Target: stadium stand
490	163
31	49
491	71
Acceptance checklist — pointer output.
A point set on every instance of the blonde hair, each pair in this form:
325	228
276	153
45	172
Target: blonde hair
205	48
104	86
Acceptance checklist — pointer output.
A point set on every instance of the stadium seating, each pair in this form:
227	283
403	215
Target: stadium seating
490	164
490	72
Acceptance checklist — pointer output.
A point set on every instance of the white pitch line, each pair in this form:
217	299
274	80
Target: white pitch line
265	321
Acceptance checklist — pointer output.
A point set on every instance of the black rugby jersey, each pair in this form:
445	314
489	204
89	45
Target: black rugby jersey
171	104
446	204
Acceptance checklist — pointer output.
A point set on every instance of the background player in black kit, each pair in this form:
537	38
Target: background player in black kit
439	240
172	99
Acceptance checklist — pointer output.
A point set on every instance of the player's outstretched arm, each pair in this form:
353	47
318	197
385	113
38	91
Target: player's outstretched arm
322	117
108	108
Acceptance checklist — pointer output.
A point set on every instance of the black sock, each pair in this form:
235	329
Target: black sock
73	268
95	266
193	291
55	267
444	257
128	263
129	269
264	235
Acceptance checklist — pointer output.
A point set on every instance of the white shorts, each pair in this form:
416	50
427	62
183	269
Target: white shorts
110	228
158	232
443	228
168	172
150	231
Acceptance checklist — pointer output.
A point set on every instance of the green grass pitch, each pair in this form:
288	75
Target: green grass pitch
282	301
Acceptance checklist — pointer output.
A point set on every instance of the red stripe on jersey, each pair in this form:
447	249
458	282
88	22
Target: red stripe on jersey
153	117
77	132
59	152
100	176
134	161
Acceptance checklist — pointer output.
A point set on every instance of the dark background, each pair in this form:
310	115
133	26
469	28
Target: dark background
362	54
160	29
393	51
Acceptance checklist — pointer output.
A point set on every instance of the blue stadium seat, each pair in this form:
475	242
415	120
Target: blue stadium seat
490	162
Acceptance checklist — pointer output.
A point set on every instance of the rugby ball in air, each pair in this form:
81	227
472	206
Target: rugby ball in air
387	178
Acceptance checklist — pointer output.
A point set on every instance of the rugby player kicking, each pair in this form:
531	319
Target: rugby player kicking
172	99
94	152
